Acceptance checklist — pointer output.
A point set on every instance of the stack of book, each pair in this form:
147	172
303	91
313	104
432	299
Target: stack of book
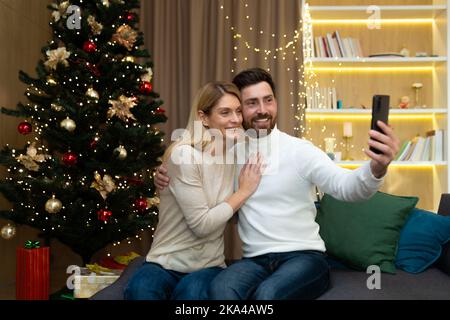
428	148
321	98
333	46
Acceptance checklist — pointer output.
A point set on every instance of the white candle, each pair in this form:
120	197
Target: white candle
348	129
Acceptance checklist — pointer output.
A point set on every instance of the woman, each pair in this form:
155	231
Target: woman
187	249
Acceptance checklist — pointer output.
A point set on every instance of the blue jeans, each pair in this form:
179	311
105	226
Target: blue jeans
153	282
292	275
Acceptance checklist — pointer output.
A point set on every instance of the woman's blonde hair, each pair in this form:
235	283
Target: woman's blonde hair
205	100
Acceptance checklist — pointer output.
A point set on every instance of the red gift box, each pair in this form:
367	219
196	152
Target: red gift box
33	274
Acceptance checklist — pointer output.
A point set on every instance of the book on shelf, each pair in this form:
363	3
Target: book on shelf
321	98
428	148
332	45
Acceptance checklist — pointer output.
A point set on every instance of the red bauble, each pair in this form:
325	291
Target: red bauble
160	110
145	87
130	16
89	46
24	128
104	215
70	159
141	204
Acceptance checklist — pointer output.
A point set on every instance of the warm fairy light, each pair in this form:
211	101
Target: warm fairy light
372	21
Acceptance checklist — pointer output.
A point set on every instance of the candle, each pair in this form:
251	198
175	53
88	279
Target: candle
348	129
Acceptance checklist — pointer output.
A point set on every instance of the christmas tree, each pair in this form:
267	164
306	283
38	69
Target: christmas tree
86	176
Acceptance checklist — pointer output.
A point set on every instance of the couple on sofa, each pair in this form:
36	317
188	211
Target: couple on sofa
269	177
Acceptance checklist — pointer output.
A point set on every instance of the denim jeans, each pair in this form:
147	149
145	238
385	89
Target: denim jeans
292	275
153	282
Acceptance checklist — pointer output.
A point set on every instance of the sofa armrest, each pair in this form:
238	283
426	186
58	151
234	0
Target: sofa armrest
443	262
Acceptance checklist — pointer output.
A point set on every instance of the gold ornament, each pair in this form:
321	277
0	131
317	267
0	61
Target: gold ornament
68	124
53	205
151	202
120	152
126	36
61	10
148	76
105	3
91	93
29	160
8	231
57	56
104	186
95	26
51	81
56	107
121	108
129	59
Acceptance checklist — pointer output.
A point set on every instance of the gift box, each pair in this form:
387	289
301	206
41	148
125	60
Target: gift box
33	273
88	283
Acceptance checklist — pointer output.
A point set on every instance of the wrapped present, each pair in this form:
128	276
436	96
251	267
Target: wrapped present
118	262
88	282
32	272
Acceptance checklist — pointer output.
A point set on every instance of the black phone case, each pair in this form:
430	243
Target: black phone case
380	111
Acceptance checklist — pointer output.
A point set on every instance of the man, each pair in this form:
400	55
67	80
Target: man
283	252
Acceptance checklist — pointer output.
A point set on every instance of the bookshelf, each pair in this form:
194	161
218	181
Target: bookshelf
421	27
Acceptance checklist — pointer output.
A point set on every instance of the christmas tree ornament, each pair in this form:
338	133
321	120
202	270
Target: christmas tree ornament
130	16
89	46
29	160
140	204
68	124
70	159
57	56
105	3
51	81
145	87
24	128
8	231
148	76
121	108
56	107
53	205
104	186
160	110
104	215
120	153
125	36
96	27
91	93
129	59
152	202
60	11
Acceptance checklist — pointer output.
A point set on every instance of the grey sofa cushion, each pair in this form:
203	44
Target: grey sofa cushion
115	291
431	284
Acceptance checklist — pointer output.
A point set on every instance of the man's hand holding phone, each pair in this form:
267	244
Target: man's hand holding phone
387	143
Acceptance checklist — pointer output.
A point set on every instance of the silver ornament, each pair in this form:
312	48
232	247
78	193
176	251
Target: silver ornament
120	152
68	124
8	231
53	205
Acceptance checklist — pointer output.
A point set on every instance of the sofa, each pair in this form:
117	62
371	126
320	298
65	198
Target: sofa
430	281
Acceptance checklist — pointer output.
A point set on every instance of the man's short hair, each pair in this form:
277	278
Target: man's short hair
253	76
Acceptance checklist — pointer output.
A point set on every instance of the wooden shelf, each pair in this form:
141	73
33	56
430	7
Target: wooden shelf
387	12
357	111
375	62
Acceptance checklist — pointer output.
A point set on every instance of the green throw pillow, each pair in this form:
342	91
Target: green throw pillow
364	233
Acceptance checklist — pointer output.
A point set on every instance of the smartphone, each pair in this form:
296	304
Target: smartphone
380	111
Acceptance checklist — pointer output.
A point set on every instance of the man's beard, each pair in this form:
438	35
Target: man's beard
260	132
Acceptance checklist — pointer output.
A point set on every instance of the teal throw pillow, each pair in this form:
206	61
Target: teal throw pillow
361	234
421	240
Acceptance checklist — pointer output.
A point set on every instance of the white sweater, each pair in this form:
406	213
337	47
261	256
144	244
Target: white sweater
280	215
193	213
